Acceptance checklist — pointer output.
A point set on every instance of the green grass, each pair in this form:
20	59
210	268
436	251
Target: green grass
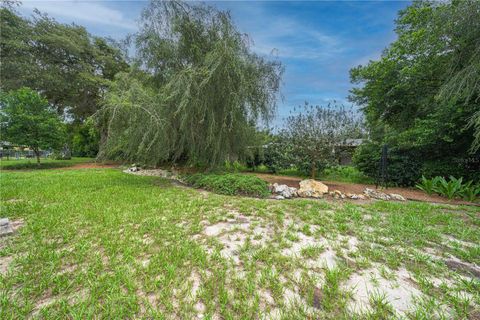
99	243
31	164
345	174
229	184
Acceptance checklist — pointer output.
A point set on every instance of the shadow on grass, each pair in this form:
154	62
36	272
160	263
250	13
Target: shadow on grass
44	164
34	166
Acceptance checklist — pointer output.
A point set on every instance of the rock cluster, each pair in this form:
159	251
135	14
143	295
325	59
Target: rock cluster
339	195
315	189
374	194
151	172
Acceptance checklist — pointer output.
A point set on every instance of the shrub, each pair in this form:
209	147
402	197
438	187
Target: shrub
403	166
234	166
229	184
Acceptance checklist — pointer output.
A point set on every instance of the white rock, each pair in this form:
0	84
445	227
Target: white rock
376	194
5	227
397	197
284	190
312	189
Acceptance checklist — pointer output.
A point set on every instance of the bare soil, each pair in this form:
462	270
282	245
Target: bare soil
89	165
357	188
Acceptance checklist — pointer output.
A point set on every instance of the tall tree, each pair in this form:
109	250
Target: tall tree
421	96
199	92
68	65
27	119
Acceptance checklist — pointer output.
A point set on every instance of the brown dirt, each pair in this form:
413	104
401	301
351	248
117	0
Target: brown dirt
463	268
357	188
89	165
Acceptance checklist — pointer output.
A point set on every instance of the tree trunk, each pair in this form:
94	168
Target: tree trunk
37	154
313	170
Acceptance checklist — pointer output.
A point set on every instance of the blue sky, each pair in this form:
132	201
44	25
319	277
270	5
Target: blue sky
317	41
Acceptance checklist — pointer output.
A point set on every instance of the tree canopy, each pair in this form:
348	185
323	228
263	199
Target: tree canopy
316	133
422	96
70	67
197	92
27	119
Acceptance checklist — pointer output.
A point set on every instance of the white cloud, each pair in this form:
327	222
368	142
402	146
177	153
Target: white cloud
286	36
82	12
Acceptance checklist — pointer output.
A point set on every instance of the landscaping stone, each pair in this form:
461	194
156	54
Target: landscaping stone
312	189
376	194
283	190
397	197
5	227
355	196
279	197
337	194
383	196
152	173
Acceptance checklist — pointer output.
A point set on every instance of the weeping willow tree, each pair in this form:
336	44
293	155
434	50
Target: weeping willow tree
196	94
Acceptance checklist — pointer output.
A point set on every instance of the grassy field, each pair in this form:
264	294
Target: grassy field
29	164
104	244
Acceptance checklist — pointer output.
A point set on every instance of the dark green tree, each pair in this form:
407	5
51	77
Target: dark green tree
69	66
422	95
27	119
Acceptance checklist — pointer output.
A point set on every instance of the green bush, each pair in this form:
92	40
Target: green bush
229	184
85	139
403	166
234	166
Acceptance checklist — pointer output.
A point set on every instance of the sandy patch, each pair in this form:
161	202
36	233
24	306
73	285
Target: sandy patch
4	264
400	293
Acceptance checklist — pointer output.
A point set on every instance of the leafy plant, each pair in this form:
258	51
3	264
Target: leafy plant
470	192
229	184
452	188
428	185
449	189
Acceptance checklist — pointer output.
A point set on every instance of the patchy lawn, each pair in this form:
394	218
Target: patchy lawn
102	243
